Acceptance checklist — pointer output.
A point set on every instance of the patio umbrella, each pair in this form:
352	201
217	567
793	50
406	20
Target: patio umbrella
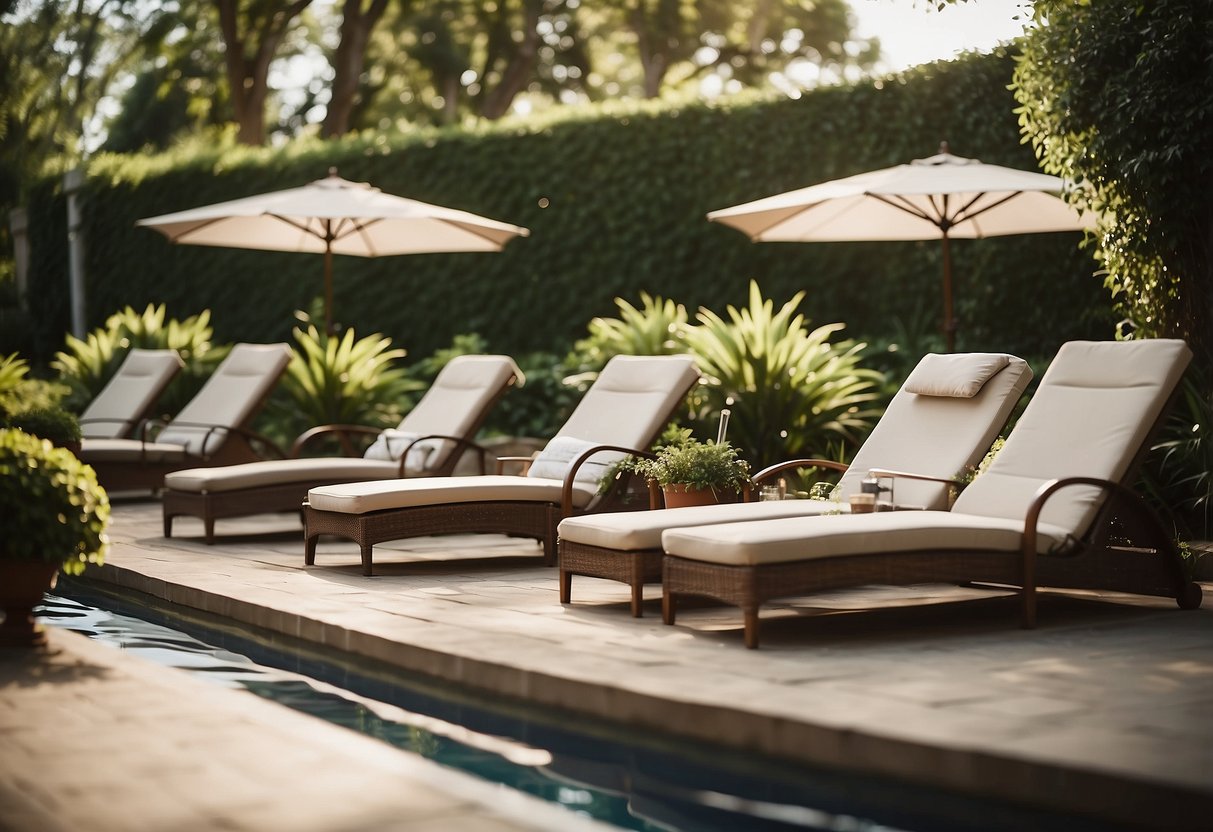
941	196
334	216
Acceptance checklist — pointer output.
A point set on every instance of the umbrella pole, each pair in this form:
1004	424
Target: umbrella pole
328	287
949	322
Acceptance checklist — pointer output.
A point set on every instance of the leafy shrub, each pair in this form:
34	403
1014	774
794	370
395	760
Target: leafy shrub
1179	472
87	365
542	404
55	512
54	424
789	389
653	329
339	380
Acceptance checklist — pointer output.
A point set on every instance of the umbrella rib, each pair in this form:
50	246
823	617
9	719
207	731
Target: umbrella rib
302	226
902	204
961	216
174	238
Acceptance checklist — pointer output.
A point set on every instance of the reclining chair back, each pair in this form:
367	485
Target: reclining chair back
128	396
1091	416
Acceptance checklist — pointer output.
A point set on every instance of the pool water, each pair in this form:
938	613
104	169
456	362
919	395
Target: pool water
633	781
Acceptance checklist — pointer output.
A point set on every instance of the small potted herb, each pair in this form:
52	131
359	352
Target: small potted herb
691	472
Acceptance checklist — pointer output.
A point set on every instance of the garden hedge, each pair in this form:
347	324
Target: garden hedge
615	199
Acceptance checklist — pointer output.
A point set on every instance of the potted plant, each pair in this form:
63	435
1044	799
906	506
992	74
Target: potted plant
691	472
54	517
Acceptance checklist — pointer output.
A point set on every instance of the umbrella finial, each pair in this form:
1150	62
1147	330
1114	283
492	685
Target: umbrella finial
333	172
943	147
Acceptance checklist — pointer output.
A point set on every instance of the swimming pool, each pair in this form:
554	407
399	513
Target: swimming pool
630	779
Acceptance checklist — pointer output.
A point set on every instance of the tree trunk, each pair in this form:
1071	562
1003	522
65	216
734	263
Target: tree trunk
248	76
519	68
348	62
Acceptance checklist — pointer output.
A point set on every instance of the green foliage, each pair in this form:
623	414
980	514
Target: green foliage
684	460
788	388
615	197
54	510
55	424
13	370
86	366
341	379
542	404
1179	473
1115	95
653	329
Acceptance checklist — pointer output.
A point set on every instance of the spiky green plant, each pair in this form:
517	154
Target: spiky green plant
13	370
652	329
1179	474
86	365
789	389
340	379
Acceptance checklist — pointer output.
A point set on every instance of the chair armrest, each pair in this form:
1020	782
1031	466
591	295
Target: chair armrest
462	446
343	432
524	461
566	491
884	473
789	465
251	436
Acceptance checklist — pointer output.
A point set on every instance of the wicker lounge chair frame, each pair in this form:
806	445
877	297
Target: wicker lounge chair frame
1125	549
239	444
637	567
290	496
529	519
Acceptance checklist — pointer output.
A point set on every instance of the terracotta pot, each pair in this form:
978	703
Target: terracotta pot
680	496
22	585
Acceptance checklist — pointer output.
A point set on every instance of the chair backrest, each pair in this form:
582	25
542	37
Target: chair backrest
229	399
1091	416
942	420
131	392
456	404
628	405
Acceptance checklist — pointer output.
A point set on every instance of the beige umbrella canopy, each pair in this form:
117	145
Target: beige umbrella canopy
942	196
334	216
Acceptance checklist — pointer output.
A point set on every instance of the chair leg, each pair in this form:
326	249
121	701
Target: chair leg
208	524
637	597
168	525
751	627
366	559
667	607
309	550
549	550
566	586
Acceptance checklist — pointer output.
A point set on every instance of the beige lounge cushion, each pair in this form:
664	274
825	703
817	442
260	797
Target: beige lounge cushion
391	443
277	472
361	497
554	460
939	435
230	396
455	404
632	531
127	396
1090	416
628	403
956	376
810	538
129	450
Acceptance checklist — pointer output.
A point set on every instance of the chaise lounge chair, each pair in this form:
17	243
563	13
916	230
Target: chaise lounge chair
213	429
942	420
1040	515
623	412
130	394
430	441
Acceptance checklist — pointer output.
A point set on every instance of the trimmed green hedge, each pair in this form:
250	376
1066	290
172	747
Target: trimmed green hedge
625	192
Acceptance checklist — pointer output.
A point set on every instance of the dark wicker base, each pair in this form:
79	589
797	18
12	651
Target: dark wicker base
748	587
241	503
517	519
635	569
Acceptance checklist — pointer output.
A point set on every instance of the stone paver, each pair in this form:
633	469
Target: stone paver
1105	709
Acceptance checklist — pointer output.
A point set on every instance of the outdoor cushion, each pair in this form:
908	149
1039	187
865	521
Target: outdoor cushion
277	472
127	396
363	497
811	538
132	450
554	460
633	531
234	390
390	444
959	376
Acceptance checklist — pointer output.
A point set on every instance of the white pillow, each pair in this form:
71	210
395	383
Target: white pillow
554	460
390	444
958	376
